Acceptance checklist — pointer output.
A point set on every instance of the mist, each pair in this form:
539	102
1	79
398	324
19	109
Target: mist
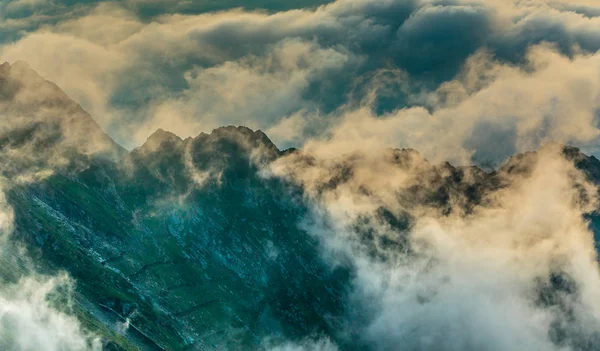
40	130
516	270
430	157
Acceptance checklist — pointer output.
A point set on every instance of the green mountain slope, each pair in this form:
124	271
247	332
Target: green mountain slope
187	242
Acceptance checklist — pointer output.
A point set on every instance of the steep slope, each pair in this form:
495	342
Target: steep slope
220	263
188	241
41	122
193	244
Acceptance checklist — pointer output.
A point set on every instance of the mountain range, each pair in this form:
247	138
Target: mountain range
191	243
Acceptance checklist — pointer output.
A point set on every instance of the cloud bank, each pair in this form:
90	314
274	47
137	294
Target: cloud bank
417	68
516	269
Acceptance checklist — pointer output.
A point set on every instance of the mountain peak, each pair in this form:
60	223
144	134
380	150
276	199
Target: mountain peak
21	66
161	134
251	138
158	139
48	114
22	71
26	89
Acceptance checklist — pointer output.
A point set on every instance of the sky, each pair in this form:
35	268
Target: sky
483	79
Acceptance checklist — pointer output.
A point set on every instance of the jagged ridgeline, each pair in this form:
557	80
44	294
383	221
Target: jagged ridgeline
188	240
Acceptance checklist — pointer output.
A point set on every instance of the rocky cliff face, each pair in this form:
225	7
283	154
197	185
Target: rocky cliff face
190	242
186	239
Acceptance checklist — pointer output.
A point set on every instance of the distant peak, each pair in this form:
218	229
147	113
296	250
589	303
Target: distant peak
159	139
254	136
232	129
35	100
21	65
20	76
19	68
161	134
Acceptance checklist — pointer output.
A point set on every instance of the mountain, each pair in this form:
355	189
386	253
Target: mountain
187	241
199	265
38	117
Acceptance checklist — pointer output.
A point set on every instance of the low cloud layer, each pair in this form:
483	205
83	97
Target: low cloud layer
29	321
516	270
489	70
490	112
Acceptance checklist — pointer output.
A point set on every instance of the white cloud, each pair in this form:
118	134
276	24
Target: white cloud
191	73
466	280
28	322
555	99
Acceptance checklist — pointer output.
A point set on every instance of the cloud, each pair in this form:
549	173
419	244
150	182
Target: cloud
42	132
35	310
13	6
293	130
466	81
269	87
42	128
314	345
453	275
136	73
491	104
28	320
